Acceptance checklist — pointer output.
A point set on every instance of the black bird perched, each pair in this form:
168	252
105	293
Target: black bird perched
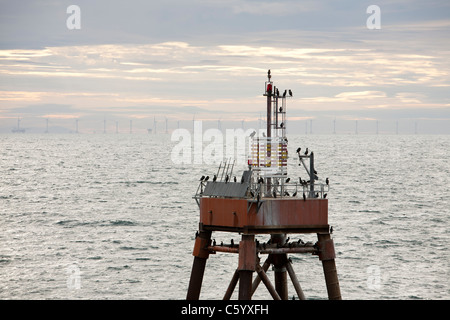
287	240
268	72
290	92
298	150
278	92
235	179
331	229
327	181
207	178
257	197
281	109
274	194
242	179
214	178
226	179
304	196
203	177
281	125
284	94
295	193
306	152
324	196
214	242
232	242
196	234
288	179
286	193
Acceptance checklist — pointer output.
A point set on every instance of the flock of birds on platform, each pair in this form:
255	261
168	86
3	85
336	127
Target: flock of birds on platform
269	244
303	183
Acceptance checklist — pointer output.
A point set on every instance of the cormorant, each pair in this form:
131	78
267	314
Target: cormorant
226	179
235	179
242	179
306	152
290	92
214	242
207	178
324	196
327	181
274	194
298	149
232	242
281	109
284	94
288	179
304	196
203	177
214	178
295	193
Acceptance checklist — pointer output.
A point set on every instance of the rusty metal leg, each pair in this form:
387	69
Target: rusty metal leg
279	262
232	285
201	254
294	280
257	280
263	276
327	256
247	264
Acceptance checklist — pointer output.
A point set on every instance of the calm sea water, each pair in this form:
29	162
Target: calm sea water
112	217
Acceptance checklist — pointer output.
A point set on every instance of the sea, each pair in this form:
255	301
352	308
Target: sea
112	216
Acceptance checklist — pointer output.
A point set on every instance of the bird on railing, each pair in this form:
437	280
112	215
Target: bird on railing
288	179
304	196
295	193
290	92
327	181
214	178
235	179
202	178
306	152
298	150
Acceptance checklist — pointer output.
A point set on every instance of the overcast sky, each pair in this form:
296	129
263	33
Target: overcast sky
155	60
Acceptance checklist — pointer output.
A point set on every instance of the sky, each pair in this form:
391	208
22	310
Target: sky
172	61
